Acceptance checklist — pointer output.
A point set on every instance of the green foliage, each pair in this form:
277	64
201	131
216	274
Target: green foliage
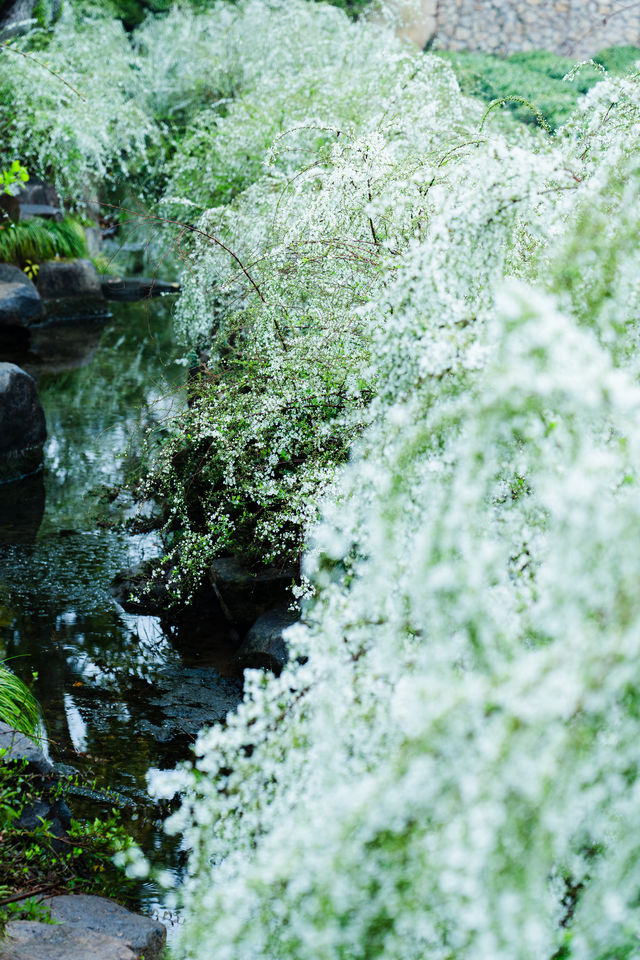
37	240
618	60
18	706
448	765
16	173
35	860
46	12
278	278
132	13
549	82
493	78
353	7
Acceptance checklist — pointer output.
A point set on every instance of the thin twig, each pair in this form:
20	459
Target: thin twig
29	893
29	56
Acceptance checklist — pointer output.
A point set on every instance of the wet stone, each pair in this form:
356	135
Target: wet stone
138	288
20	306
68	278
264	647
188	699
22	424
20	747
98	915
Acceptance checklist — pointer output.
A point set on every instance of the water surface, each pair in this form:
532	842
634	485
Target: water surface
120	693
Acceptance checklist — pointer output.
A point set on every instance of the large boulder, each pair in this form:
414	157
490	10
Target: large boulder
264	647
35	198
144	936
68	278
39	199
22	424
20	306
85	927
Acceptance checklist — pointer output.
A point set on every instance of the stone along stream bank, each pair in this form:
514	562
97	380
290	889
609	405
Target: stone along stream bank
121	692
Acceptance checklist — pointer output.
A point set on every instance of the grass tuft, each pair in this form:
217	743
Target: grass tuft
37	240
18	707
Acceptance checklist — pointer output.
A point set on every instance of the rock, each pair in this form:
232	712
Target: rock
144	588
22	424
68	278
27	940
20	304
138	590
11	274
264	646
186	699
37	192
42	210
97	915
20	747
142	288
245	594
10	207
55	811
35	198
47	806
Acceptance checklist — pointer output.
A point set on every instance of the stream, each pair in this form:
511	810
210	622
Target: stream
120	693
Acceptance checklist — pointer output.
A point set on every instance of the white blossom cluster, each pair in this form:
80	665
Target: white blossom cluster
449	765
340	162
70	108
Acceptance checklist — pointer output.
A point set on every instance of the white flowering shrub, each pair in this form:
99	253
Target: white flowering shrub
277	282
54	111
259	71
449	766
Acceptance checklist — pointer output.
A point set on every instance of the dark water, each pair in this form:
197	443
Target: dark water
120	693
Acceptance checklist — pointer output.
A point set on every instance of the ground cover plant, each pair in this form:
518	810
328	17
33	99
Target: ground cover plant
535	80
37	858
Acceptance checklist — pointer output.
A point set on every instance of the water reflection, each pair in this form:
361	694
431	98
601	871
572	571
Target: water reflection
119	694
21	510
